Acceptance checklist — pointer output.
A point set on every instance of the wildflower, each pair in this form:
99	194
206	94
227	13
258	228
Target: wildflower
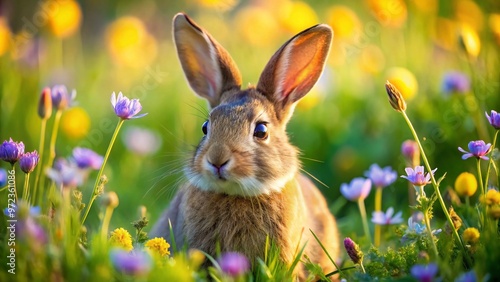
494	211
471	235
234	264
28	161
469	276
386	218
135	263
478	149
45	104
417	176
353	251
86	158
121	238
455	82
158	246
66	174
61	100
395	97
411	152
110	200
414	226
66	19
75	123
494	119
11	151
424	272
358	189
381	177
466	184
3	177
126	108
492	197
141	141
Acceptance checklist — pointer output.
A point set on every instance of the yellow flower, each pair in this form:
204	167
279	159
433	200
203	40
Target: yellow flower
129	42
445	33
466	184
296	16
344	22
257	25
158	246
404	81
223	5
390	13
75	123
469	40
121	238
494	211
471	236
5	36
64	17
492	197
495	26
468	12
426	6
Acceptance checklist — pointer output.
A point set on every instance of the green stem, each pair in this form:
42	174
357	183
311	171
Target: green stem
53	138
429	231
362	211
26	187
362	267
490	163
40	151
480	176
99	174
436	187
105	222
378	207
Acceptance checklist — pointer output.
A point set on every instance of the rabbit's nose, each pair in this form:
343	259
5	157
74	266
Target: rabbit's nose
218	169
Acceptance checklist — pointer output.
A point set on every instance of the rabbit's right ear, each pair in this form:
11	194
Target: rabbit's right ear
208	67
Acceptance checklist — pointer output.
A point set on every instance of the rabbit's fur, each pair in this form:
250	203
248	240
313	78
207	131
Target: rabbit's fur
243	186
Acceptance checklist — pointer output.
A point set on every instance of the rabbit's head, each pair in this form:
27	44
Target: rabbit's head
245	150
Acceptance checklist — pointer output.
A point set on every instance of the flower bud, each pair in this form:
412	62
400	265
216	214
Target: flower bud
45	104
353	250
395	97
110	200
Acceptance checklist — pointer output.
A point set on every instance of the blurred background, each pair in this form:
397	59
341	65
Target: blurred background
442	55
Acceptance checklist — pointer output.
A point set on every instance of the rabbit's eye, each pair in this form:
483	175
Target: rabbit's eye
204	127
260	131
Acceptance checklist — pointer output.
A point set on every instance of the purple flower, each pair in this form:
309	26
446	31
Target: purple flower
3	177
417	176
30	231
61	100
467	277
424	272
11	151
477	149
126	108
410	150
381	177
234	264
455	82
86	158
28	161
358	189
134	263
353	250
494	119
379	217
66	174
141	141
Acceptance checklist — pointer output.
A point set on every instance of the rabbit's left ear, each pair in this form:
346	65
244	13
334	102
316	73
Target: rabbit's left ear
296	66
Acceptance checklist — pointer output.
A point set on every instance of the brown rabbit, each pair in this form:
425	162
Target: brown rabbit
243	182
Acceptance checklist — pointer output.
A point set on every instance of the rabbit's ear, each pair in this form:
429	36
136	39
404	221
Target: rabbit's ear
295	67
208	67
